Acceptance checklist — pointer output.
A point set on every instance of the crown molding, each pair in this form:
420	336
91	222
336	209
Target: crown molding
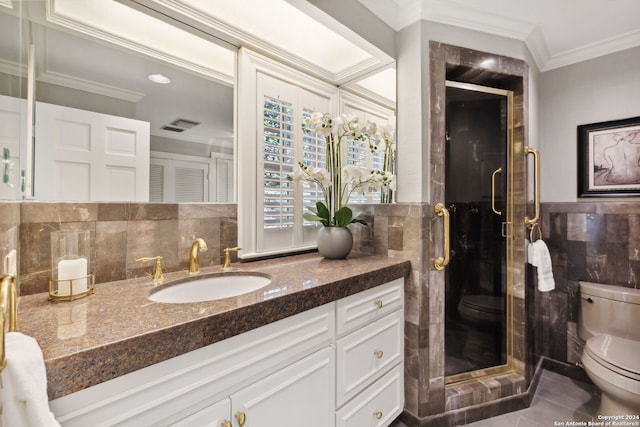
235	36
65	80
82	28
593	50
12	68
399	14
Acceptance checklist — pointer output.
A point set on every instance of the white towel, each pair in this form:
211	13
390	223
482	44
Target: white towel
539	257
24	385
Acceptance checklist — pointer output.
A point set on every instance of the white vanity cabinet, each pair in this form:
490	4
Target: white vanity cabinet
370	356
317	368
216	415
300	394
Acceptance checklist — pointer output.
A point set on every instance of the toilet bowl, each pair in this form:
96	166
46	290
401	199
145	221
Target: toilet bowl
482	314
481	310
608	322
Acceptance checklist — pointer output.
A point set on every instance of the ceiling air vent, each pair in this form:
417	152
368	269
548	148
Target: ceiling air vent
184	123
172	128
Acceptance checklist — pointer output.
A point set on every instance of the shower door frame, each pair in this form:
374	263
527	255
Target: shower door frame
507	233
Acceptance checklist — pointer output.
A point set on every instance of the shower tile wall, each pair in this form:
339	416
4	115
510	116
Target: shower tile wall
596	242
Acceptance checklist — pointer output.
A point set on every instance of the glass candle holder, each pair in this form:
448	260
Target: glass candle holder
70	261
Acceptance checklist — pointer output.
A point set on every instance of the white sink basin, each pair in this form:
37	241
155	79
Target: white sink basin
210	288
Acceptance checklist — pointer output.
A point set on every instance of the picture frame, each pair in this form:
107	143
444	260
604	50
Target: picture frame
609	159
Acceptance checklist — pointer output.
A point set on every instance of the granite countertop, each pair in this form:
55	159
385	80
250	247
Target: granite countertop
118	330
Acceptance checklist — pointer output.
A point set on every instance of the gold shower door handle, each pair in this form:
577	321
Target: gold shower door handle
536	186
441	262
493	191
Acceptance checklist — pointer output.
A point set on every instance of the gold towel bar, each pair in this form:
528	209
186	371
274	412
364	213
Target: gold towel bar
9	305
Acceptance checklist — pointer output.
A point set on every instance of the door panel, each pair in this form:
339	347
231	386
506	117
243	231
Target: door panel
477	168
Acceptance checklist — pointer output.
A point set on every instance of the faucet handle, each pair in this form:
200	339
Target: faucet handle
157	273
227	258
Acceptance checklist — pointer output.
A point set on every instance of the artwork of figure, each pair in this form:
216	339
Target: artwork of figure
620	158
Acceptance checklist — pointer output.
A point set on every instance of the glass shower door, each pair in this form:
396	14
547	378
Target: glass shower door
477	153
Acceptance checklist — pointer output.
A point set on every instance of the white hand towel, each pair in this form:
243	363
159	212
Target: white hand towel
539	257
24	385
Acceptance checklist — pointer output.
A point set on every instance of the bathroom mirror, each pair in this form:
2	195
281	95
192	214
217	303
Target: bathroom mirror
87	58
190	119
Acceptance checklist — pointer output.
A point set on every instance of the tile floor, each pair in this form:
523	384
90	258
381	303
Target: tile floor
558	399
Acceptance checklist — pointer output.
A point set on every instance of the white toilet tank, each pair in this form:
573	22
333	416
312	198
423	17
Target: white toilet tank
612	310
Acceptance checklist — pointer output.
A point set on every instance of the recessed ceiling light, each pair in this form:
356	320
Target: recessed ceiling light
159	78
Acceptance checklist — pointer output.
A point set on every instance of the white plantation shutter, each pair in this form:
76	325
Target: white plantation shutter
313	154
178	180
156	183
189	184
358	152
281	144
223	180
278	141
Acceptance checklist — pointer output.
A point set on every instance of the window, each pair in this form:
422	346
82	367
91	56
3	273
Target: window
273	100
278	191
358	152
282	144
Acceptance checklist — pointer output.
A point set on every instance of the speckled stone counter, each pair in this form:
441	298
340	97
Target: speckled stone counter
119	330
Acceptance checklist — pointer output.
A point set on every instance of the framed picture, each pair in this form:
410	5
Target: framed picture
609	159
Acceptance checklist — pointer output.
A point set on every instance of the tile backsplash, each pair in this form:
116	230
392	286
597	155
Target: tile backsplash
121	233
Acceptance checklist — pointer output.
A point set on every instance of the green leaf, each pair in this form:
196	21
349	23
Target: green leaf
323	211
344	215
311	217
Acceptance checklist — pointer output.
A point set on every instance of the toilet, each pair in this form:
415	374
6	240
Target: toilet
481	310
483	314
609	323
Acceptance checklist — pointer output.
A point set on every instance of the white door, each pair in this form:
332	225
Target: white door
302	394
86	156
13	128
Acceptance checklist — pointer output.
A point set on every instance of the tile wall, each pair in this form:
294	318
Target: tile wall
596	242
122	233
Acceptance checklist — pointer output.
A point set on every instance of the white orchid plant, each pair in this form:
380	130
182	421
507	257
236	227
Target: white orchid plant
387	145
338	183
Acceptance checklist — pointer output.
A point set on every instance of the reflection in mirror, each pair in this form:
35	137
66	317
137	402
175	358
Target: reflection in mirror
104	131
13	105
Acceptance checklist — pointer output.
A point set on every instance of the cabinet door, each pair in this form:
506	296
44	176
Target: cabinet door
216	415
364	355
378	405
302	394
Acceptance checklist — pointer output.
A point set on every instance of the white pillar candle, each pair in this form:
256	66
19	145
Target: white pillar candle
75	269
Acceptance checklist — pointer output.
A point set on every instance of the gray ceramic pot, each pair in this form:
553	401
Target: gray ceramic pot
334	242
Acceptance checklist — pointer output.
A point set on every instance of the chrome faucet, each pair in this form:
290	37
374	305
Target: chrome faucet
194	256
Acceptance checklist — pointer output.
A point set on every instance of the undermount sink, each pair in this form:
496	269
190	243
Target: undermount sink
210	287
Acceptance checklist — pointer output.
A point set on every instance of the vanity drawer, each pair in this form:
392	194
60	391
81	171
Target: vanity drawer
365	307
367	353
378	405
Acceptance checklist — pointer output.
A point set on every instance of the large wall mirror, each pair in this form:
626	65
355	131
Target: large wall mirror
79	70
163	116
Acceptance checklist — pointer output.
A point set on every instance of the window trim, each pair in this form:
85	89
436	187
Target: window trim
249	65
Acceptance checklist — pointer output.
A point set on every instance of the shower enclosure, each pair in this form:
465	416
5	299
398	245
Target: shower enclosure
478	200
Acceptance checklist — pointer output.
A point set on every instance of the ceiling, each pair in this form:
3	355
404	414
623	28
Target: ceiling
108	47
557	32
